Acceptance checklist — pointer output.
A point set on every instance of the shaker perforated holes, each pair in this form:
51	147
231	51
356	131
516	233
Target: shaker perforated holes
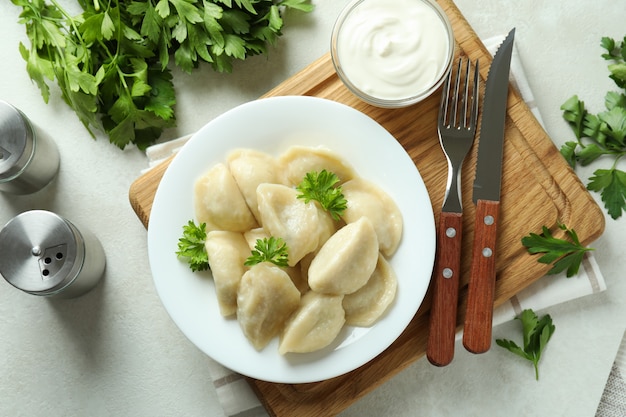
52	260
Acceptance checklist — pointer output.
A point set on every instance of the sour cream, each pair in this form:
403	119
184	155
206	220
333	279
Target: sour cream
392	52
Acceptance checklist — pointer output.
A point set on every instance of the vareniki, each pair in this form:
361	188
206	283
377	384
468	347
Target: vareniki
337	270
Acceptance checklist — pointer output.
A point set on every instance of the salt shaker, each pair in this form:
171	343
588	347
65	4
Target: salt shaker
29	159
41	253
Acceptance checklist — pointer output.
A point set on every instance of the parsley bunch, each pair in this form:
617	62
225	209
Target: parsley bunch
602	134
111	61
216	31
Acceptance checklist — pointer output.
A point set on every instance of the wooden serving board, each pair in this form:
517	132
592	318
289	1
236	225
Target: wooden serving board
538	188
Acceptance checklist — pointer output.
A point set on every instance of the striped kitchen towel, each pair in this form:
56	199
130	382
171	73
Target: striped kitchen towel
613	401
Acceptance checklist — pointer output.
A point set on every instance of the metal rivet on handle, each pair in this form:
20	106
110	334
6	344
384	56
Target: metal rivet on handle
487	252
488	220
450	232
447	273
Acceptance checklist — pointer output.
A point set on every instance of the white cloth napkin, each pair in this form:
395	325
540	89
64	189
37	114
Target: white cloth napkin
238	399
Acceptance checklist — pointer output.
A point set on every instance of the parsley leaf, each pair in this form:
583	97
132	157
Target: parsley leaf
302	5
191	246
536	334
602	134
566	255
611	184
320	186
270	249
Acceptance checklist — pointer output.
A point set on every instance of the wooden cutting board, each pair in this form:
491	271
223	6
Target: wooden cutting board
538	188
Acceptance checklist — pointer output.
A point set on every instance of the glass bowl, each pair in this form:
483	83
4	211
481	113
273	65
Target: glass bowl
392	53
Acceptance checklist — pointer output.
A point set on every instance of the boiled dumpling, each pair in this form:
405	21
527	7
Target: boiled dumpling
253	235
219	203
297	161
227	253
347	259
265	300
371	301
315	324
366	199
250	168
290	218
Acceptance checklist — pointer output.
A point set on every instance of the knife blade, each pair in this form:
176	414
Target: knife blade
486	197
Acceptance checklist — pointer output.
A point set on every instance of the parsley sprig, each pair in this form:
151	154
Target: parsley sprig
602	134
110	62
272	249
566	254
321	187
536	334
191	246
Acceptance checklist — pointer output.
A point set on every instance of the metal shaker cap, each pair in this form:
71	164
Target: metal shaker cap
40	252
16	141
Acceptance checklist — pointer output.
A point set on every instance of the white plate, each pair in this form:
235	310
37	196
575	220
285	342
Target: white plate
272	125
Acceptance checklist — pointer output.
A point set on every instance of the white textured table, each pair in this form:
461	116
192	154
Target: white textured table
115	351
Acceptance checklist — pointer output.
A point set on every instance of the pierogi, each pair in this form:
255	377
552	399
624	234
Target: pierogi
250	168
365	306
347	259
337	271
301	225
265	300
227	253
297	161
367	199
219	202
315	324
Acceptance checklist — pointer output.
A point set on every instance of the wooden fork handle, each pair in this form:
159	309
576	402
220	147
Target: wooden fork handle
443	311
482	280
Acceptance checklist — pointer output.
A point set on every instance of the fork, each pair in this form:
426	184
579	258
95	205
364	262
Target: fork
458	113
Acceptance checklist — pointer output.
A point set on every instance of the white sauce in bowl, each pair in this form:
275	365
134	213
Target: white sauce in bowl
393	49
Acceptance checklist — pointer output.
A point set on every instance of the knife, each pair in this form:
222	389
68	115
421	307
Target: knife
486	197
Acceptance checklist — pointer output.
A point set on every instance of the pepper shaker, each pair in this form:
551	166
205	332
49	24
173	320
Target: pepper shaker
41	253
29	159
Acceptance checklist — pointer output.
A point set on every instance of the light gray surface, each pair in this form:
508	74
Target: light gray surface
115	351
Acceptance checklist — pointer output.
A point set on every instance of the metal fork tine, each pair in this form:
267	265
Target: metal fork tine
465	99
474	115
445	98
458	108
455	98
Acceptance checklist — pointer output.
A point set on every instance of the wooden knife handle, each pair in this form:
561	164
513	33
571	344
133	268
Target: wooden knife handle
443	311
482	280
